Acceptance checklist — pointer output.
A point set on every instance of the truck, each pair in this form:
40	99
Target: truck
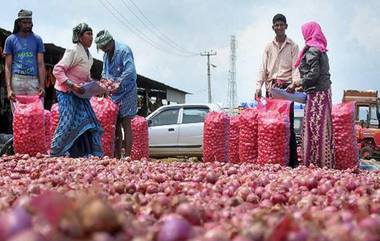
367	121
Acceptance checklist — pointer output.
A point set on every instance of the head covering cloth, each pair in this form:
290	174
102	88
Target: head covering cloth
22	14
314	37
79	30
102	39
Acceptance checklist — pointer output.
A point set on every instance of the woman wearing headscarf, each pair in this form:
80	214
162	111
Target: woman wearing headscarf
313	64
78	133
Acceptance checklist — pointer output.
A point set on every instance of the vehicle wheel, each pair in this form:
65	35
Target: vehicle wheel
366	152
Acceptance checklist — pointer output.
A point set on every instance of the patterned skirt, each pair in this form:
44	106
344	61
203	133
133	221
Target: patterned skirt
317	136
78	133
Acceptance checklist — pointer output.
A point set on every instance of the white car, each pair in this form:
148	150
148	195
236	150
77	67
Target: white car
177	130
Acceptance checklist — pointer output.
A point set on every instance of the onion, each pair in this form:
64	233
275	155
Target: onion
302	235
174	228
27	235
15	221
189	212
241	238
119	187
98	216
212	178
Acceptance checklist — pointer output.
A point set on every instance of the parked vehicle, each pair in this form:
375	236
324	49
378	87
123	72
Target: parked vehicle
367	120
177	130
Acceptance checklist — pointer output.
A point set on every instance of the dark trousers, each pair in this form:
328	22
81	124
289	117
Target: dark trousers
293	157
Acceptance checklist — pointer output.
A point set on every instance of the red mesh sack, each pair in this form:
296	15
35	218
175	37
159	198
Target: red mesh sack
54	118
346	145
48	133
106	112
215	137
273	132
233	145
28	125
248	135
140	146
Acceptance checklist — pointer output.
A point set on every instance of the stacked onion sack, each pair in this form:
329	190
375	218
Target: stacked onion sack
273	132
346	145
106	112
29	125
215	137
140	146
233	146
54	110
248	135
48	132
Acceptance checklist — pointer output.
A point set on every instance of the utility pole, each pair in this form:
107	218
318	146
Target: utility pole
232	89
208	54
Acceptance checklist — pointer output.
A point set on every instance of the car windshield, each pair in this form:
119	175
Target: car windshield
363	113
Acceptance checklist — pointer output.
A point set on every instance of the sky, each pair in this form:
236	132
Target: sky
167	37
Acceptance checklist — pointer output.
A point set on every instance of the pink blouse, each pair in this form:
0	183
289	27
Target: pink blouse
75	65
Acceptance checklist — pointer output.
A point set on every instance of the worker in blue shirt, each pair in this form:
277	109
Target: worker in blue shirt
118	65
24	59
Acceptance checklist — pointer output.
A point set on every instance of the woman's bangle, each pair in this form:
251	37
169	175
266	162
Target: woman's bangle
69	83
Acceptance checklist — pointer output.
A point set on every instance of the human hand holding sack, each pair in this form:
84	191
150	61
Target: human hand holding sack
11	95
110	85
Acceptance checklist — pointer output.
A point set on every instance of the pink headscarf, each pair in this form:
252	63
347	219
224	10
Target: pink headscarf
314	37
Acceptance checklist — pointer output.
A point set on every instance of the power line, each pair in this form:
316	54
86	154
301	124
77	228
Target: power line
149	24
136	31
127	25
154	26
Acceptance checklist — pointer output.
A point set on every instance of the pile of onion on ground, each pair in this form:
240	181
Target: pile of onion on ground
44	198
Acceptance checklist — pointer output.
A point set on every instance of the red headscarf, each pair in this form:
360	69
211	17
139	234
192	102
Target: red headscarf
314	37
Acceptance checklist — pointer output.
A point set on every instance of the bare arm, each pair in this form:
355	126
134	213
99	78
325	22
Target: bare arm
8	71
262	76
295	70
41	70
8	76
